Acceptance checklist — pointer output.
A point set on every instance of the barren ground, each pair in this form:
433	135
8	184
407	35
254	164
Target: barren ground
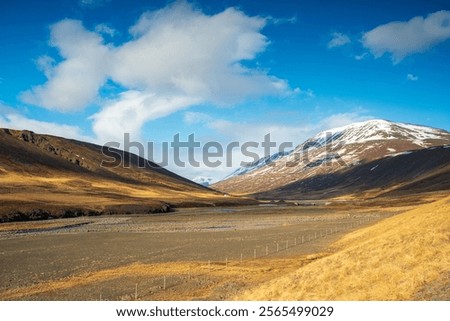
197	251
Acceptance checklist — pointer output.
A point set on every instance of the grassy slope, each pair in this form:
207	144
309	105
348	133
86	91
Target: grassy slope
62	192
391	260
55	175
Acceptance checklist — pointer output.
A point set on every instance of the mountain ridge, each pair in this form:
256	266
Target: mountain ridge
334	150
44	176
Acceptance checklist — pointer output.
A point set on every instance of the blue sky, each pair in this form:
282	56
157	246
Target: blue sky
224	70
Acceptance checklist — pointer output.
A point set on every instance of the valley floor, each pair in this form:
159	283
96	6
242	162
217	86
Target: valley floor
193	254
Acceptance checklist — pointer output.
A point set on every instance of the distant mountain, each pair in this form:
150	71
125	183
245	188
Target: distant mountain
44	176
203	180
257	164
419	171
336	151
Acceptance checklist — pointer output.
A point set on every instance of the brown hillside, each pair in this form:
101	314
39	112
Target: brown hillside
44	176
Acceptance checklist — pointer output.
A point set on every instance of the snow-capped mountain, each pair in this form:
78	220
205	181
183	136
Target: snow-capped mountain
377	130
257	164
331	151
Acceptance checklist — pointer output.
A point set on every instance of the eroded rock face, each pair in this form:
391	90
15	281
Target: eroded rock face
45	144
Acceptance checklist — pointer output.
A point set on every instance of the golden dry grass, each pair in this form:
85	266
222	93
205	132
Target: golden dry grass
136	269
247	273
70	190
391	260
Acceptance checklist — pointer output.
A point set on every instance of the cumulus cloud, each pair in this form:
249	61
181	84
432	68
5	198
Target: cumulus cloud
177	56
129	112
179	49
74	82
46	64
338	39
401	39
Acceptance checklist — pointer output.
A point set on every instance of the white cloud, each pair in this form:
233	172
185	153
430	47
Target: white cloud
46	64
412	77
74	82
338	39
4	109
192	118
129	112
342	119
361	56
279	21
307	93
14	120
103	28
180	50
178	56
401	39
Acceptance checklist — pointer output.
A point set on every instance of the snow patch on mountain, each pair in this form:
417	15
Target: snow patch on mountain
372	130
258	164
342	147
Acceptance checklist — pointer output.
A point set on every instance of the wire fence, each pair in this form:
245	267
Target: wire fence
166	282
